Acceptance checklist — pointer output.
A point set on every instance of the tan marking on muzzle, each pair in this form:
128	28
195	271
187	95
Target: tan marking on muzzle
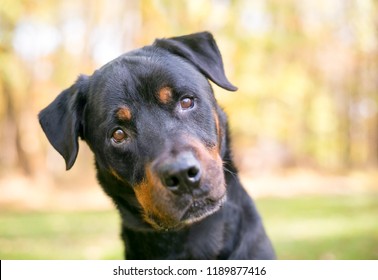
153	196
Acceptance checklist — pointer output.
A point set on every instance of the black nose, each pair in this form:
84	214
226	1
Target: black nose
180	174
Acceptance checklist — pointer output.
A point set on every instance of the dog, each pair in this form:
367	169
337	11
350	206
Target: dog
162	151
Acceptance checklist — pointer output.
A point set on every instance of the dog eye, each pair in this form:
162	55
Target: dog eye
119	136
187	103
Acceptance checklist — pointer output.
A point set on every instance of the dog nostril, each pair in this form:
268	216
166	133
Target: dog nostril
171	181
193	171
180	174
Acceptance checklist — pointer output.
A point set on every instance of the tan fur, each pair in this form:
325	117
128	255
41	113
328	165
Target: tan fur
165	95
124	114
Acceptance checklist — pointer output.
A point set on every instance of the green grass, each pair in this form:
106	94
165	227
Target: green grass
72	235
321	227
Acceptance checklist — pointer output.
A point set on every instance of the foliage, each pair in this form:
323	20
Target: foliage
304	69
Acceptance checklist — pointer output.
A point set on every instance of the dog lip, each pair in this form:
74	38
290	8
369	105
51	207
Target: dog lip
200	209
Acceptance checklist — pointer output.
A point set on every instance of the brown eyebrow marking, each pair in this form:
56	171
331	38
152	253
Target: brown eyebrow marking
124	113
165	95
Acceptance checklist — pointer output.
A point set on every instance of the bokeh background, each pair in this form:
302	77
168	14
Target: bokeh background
304	121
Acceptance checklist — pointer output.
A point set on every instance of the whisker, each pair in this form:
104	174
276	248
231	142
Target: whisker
229	171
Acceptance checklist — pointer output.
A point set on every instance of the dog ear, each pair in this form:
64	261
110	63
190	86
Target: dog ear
62	120
202	51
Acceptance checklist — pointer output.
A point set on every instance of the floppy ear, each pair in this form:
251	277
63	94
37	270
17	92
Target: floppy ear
62	120
201	50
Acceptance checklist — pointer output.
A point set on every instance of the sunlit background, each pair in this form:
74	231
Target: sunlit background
304	121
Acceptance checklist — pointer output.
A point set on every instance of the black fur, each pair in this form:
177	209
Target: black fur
172	178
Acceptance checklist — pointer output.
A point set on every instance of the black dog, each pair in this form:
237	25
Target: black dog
162	151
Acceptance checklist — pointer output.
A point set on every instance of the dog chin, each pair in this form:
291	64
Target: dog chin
199	210
195	212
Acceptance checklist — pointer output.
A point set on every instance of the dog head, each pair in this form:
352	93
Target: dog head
153	124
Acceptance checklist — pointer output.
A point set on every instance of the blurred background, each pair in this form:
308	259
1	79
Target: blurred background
304	121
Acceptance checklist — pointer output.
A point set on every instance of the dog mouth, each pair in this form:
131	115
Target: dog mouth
200	209
195	211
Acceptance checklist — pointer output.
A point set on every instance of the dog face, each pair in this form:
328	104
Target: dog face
153	124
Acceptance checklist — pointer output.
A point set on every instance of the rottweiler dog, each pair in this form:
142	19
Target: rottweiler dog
162	151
